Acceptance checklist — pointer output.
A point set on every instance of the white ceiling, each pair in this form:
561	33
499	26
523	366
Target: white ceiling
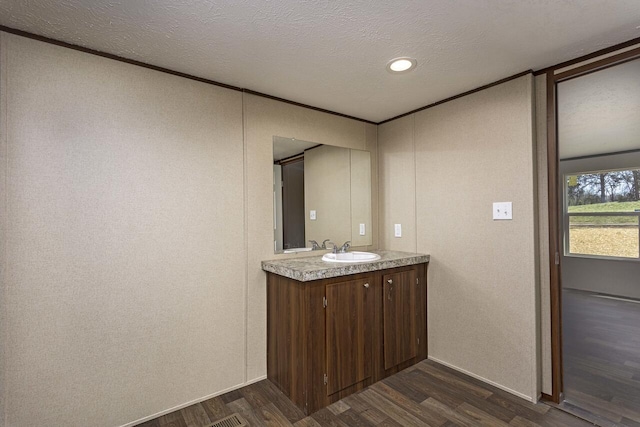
332	54
600	112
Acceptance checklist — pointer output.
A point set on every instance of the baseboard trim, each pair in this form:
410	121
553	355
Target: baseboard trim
478	377
192	402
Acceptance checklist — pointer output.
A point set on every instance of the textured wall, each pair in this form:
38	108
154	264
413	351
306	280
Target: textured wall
469	153
124	265
397	180
326	190
360	197
133	227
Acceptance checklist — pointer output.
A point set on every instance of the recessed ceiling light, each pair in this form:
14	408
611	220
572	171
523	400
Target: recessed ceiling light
401	65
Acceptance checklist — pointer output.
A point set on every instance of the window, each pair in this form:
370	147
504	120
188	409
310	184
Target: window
602	213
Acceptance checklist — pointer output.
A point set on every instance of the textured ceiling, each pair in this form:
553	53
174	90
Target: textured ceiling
287	147
600	113
332	54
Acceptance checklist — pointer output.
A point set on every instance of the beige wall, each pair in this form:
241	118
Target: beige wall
469	153
337	185
123	269
326	174
397	180
135	218
360	197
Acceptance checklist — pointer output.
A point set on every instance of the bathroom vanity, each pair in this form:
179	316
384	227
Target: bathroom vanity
333	329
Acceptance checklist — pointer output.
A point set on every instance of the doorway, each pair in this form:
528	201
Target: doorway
594	174
293	203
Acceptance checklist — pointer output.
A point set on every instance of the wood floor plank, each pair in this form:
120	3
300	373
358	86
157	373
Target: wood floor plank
272	416
438	390
629	423
404	385
325	417
231	396
587	414
353	419
498	396
388	422
451	414
216	408
373	415
481	417
629	409
195	416
394	411
254	396
609	410
518	406
446	401
558	418
242	407
274	395
174	419
459	383
518	421
151	423
338	407
601	352
307	422
491	408
422	412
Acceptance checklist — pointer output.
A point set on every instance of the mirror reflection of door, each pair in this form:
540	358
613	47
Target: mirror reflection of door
293	204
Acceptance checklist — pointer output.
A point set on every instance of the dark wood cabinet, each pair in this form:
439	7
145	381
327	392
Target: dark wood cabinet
399	317
331	337
349	333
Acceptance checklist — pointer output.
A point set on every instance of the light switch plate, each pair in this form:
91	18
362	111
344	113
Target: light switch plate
502	210
312	215
397	230
362	229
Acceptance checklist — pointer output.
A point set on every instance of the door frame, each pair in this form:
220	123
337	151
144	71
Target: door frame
554	75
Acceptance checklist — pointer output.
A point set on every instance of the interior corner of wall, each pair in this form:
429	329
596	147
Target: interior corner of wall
4	170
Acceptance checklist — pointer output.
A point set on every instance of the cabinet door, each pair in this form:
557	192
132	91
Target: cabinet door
349	315
399	317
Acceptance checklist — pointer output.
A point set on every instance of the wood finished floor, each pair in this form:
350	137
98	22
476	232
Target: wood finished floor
601	354
427	394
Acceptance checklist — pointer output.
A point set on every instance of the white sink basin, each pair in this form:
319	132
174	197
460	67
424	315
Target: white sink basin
353	256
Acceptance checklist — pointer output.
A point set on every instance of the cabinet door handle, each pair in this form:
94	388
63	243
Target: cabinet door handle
366	285
390	282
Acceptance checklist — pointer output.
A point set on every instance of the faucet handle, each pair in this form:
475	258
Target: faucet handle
324	243
346	246
314	245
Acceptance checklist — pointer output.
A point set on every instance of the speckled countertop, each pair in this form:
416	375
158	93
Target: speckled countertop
313	268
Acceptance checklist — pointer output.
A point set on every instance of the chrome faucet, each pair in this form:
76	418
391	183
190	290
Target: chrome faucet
342	249
315	246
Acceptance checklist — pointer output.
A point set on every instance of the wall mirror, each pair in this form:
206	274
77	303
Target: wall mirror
319	192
